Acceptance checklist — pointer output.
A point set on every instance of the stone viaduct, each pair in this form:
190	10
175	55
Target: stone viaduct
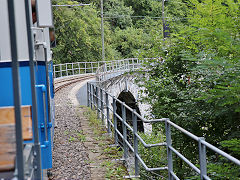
124	87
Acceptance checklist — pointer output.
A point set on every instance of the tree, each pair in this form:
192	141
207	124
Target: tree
196	82
117	14
145	7
78	34
130	42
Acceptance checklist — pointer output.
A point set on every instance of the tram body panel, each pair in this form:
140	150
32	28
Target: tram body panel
42	52
52	102
6	90
46	147
43	70
7	98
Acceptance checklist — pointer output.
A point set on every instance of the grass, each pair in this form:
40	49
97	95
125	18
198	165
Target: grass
114	170
75	136
113	152
81	137
66	132
72	139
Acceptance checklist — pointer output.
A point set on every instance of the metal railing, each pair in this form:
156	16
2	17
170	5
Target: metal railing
114	68
100	100
77	68
102	69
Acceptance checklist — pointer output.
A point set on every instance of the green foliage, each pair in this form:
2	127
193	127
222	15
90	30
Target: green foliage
78	31
114	172
72	139
78	34
223	169
196	82
232	146
118	14
114	169
81	137
153	157
130	41
145	7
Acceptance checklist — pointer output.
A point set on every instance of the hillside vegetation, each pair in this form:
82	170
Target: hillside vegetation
195	80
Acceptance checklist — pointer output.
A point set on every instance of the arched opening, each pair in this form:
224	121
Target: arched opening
128	98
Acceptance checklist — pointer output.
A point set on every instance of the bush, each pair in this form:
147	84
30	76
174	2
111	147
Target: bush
153	157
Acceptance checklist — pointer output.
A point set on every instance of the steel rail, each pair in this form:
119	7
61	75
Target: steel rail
65	79
71	81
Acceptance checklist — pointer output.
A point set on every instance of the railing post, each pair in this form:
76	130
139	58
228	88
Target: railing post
67	69
94	97
61	69
101	97
115	120
104	72
107	109
97	101
79	68
118	66
135	142
133	66
124	130
73	69
169	152
88	95
54	71
92	67
202	158
91	96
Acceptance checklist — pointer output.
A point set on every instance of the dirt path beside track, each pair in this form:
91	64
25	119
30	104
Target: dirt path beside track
81	146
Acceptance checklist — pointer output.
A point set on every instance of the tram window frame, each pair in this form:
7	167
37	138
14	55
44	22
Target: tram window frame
44	13
21	32
52	35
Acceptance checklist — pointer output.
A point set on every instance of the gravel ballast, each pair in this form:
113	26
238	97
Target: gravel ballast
82	148
70	156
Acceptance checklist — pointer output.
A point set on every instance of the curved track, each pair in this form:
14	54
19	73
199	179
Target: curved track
63	82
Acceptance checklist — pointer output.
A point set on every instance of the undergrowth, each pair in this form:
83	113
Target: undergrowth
114	169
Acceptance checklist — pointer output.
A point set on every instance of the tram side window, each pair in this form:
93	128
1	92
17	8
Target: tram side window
20	20
5	53
34	15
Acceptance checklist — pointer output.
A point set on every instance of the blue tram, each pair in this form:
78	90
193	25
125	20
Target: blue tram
26	89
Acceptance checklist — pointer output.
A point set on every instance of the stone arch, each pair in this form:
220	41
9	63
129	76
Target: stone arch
123	86
129	99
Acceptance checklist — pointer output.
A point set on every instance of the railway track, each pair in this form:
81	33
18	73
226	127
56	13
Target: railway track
61	83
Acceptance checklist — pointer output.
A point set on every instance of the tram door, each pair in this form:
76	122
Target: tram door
43	79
